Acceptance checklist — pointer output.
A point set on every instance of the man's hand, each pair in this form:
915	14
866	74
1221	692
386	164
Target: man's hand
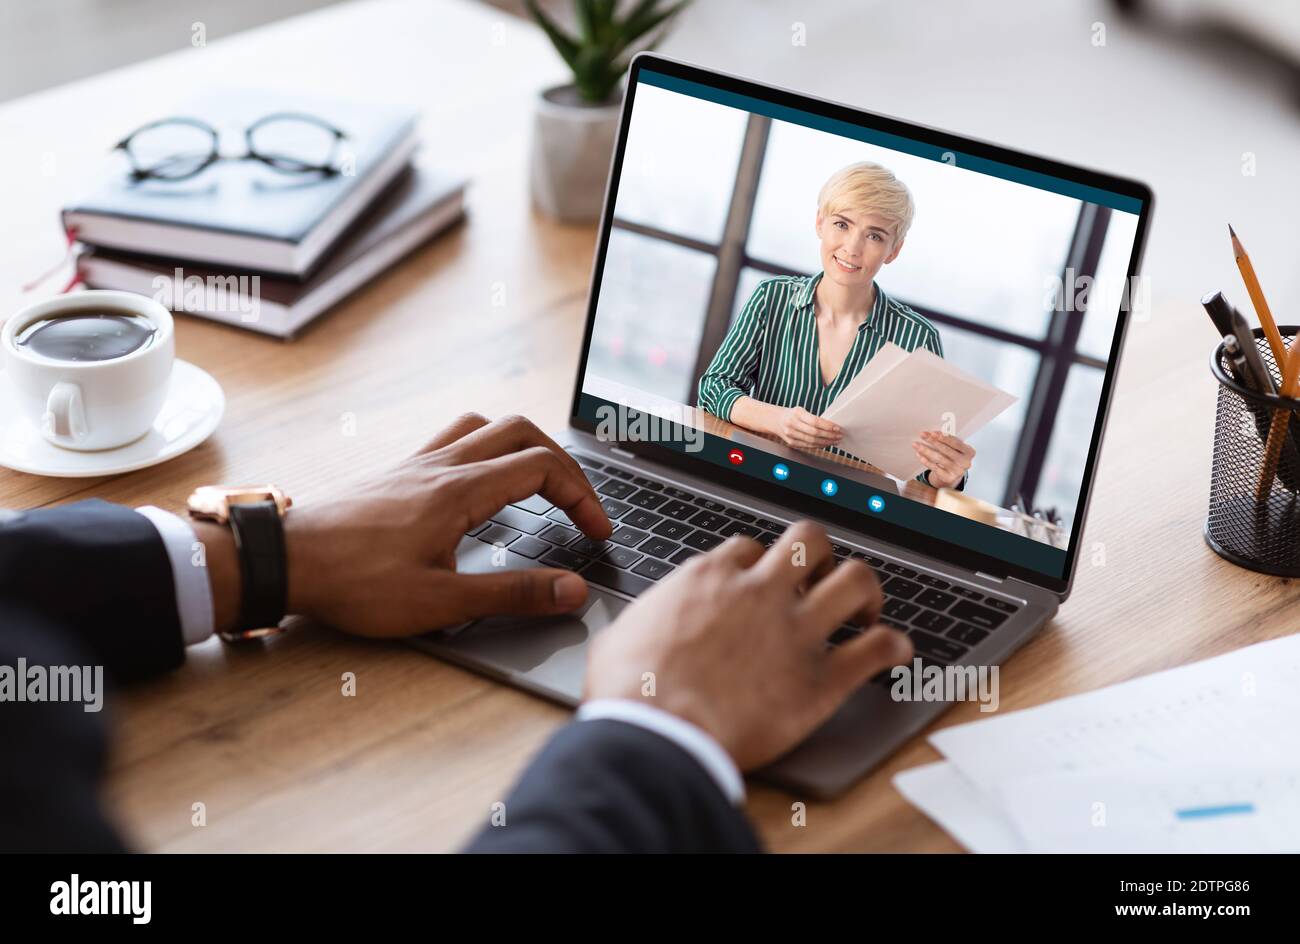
381	560
947	457
736	642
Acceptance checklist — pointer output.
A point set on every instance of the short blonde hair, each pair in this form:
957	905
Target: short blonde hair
871	188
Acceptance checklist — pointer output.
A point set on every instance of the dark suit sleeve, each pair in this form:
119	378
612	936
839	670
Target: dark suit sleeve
609	786
51	753
99	572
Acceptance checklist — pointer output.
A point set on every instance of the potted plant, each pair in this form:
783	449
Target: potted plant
575	125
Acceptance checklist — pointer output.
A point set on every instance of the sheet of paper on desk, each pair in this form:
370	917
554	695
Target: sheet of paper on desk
898	394
943	794
1167	753
1242	705
1173	809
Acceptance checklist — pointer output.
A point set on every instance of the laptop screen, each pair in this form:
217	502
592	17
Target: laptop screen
905	331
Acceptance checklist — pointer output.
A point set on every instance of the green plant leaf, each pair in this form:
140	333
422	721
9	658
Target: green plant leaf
564	44
634	29
587	18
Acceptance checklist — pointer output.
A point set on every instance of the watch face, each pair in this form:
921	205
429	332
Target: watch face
214	501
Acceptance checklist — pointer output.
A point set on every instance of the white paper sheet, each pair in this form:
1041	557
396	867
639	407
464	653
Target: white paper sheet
943	794
1203	758
1178	809
898	394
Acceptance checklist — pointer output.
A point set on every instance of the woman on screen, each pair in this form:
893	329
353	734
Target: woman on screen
799	341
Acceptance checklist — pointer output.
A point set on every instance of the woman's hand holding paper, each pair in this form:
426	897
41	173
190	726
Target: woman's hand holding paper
948	458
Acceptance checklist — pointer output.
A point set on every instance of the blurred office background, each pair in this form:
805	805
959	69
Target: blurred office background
1198	97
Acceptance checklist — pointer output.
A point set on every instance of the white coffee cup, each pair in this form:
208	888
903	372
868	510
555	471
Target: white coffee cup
90	405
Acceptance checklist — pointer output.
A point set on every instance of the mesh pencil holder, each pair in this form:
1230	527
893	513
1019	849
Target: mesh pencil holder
1254	517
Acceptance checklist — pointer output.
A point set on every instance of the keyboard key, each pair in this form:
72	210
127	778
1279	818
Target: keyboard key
556	514
935	599
673	530
590	548
767	524
586	461
654	569
473	531
595	478
871	561
899	569
981	616
839	550
740	515
536	504
966	592
1002	605
629	537
642	482
659	547
970	635
497	534
899	610
621	557
520	520
678	493
615	509
708	504
903	589
930	581
614	489
605	576
702	540
736	527
930	645
530	546
559	557
559	534
621	473
682	556
767	538
677	510
648	499
641	519
709	521
934	622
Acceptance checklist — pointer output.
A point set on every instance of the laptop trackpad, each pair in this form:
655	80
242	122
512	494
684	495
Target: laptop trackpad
550	652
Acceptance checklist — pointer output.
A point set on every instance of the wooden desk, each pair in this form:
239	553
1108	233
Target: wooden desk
262	735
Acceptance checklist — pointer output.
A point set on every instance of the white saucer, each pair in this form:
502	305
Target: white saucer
192	411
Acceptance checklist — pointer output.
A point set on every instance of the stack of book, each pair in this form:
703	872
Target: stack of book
248	245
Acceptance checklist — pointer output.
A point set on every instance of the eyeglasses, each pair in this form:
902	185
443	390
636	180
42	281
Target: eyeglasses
181	148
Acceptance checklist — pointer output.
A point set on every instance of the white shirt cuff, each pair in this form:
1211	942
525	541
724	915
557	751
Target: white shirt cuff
693	740
193	592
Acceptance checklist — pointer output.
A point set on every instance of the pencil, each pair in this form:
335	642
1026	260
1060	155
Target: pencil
1257	299
1288	366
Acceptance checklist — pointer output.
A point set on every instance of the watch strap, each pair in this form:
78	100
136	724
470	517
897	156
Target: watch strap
259	539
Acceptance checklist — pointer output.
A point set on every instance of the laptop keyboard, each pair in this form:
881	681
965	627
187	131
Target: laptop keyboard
658	527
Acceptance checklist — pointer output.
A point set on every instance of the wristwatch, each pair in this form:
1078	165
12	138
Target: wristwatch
253	513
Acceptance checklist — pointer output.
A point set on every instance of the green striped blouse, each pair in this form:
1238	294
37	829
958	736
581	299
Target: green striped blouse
770	352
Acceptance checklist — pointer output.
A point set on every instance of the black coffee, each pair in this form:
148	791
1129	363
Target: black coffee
100	334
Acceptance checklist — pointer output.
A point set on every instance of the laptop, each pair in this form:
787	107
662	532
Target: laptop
712	195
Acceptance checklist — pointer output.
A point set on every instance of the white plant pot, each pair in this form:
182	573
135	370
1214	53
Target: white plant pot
571	150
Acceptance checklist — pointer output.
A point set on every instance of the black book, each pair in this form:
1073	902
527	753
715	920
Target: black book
243	213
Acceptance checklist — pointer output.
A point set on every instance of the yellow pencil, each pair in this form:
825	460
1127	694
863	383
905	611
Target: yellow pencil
1288	366
1257	299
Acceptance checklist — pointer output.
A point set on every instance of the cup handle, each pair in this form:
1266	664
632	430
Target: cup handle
65	414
